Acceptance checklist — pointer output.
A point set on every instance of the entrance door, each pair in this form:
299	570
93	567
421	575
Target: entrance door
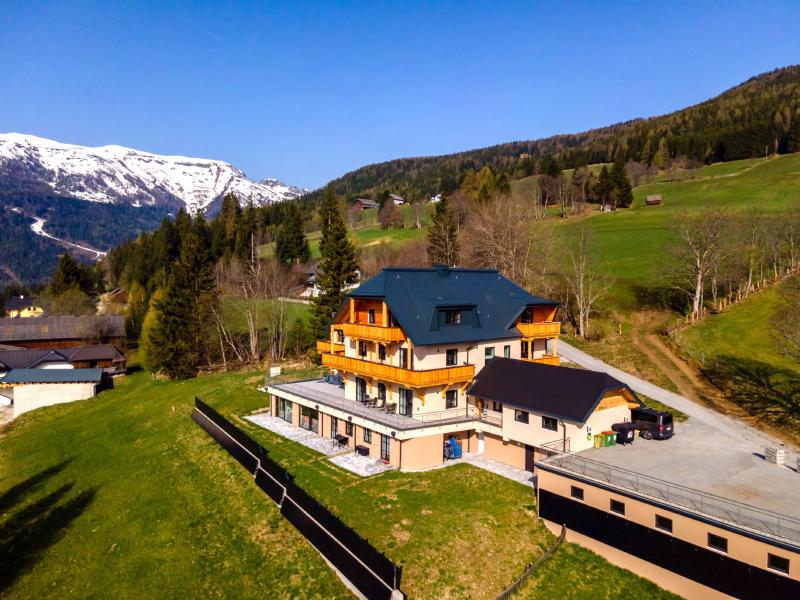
529	456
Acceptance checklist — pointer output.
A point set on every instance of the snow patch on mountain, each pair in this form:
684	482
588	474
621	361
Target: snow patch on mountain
119	175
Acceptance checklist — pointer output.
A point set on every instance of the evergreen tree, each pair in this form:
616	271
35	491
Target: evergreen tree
68	275
224	227
337	269
443	247
604	186
180	337
246	232
623	193
291	243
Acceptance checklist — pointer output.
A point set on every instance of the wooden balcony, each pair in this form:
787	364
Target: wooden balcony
325	346
376	333
548	359
407	377
540	330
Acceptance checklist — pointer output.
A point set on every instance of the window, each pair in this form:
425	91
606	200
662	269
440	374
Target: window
778	563
334	427
404	358
452	357
521	416
362	349
663	523
406	401
618	507
385	447
340	336
381	352
452	317
497	406
371	316
381	391
506	351
451	399
718	543
527	316
367	436
576	492
361	389
488	353
285	410
550	423
348	428
523	349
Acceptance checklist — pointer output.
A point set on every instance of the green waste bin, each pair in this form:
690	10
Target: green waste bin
609	437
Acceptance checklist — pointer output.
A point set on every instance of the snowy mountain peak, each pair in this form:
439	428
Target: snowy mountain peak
119	175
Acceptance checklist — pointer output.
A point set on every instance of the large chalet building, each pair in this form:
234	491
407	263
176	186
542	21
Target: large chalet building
406	346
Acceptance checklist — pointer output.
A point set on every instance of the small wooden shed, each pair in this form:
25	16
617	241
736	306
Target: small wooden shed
653	200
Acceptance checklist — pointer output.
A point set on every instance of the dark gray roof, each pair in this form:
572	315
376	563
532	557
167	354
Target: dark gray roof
415	296
30	358
83	327
561	392
92	352
21	376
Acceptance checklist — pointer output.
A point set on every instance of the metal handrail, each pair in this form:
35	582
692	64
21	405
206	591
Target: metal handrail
398	421
749	517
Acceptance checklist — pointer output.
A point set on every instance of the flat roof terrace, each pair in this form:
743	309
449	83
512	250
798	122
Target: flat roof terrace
702	470
332	396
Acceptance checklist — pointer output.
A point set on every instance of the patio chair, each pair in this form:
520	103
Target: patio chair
389	408
380	402
371	402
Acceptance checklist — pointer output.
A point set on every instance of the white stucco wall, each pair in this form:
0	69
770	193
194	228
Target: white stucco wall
36	395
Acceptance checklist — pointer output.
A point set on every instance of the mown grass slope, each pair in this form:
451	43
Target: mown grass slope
124	496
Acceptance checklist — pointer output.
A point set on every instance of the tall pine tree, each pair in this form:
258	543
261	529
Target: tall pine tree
291	244
181	334
443	247
604	186
623	192
337	269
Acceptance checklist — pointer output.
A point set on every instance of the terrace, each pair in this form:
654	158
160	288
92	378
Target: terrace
332	396
408	377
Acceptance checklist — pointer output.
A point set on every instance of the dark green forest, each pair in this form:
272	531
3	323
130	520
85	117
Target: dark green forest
761	115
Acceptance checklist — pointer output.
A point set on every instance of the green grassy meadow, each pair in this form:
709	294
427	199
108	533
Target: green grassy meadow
124	496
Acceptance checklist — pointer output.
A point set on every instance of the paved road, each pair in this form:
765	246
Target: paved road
755	439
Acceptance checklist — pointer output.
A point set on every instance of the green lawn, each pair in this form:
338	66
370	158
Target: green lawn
232	310
124	496
739	351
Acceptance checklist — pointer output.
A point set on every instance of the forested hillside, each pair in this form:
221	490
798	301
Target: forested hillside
758	116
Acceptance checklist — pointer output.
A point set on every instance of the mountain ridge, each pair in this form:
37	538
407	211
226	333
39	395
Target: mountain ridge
114	174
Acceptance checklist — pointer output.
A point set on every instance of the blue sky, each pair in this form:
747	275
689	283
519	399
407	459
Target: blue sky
308	91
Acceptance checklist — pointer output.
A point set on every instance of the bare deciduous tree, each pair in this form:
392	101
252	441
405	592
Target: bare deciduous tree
498	236
699	253
585	285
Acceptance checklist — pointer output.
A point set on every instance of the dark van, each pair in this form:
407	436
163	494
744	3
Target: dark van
653	423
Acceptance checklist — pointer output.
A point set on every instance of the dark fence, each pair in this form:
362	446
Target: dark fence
367	569
514	587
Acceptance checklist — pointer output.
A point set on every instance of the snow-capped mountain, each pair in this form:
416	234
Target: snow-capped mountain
119	175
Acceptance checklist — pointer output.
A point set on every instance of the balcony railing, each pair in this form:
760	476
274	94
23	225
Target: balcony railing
325	346
310	392
539	330
547	359
362	331
409	377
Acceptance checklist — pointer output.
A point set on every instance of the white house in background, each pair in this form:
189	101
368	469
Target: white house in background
436	198
397	199
28	389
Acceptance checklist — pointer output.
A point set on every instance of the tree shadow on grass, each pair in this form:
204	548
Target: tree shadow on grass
27	532
768	392
18	492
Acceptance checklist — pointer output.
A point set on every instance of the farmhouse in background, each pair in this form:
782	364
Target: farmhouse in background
365	203
396	199
22	307
653	200
64	331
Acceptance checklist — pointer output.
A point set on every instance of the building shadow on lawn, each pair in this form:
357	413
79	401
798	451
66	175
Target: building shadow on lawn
768	392
27	533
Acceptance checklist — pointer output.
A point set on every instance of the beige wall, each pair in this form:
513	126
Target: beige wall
510	452
31	396
740	547
533	434
422	453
